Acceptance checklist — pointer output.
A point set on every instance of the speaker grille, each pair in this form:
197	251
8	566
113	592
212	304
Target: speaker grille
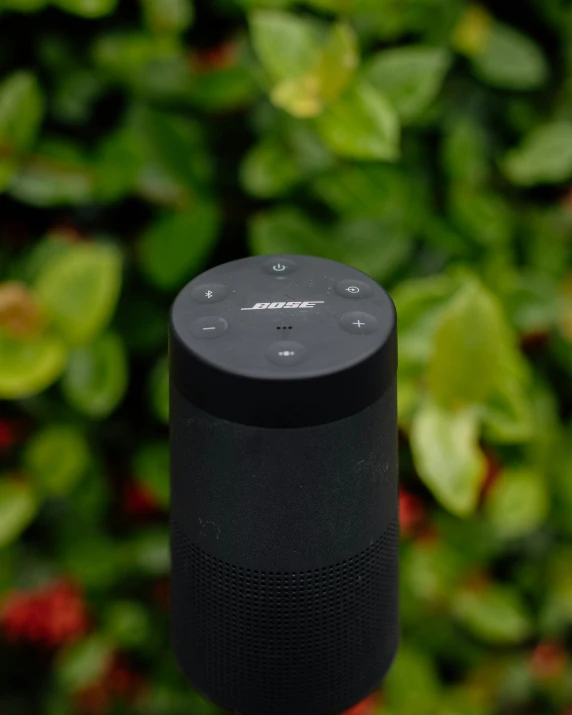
263	642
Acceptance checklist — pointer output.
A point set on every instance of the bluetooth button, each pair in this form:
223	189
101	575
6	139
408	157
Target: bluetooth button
209	292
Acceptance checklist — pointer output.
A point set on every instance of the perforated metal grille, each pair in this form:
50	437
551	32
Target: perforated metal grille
282	643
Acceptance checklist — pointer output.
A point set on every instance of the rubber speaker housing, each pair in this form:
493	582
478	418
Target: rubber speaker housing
284	525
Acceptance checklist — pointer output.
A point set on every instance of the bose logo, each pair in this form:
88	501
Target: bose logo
294	304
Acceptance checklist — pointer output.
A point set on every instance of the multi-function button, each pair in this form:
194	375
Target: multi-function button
286	352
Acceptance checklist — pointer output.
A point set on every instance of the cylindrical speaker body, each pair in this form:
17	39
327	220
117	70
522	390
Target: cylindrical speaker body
284	486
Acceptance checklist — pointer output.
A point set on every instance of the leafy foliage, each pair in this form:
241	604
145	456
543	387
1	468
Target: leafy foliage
428	143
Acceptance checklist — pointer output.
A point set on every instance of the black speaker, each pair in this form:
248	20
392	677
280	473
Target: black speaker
284	530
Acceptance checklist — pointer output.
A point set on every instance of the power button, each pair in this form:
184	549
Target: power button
280	266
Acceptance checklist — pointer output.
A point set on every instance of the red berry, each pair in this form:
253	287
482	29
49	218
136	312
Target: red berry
411	513
138	501
220	57
548	661
49	616
368	706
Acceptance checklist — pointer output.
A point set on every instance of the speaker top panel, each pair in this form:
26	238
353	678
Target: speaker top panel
264	326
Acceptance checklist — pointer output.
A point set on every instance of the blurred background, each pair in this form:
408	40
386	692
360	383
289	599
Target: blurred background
427	142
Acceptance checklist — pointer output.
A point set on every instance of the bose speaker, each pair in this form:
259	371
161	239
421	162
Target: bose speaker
284	522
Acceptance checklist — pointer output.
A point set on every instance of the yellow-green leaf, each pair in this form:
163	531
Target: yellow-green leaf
495	614
79	288
18	506
361	124
518	502
29	366
287	45
447	455
467	347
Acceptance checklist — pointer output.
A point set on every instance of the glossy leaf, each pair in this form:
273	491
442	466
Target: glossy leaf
287	45
151	467
21	112
494	614
362	124
467	347
80	288
56	458
29	366
96	376
447	455
510	60
177	245
57	174
18	507
544	156
518	502
409	77
168	15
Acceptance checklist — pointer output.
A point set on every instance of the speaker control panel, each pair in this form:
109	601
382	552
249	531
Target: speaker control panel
283	316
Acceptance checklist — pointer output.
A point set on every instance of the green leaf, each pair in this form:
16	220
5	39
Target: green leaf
151	467
510	60
159	390
149	552
269	169
18	507
57	174
420	303
56	457
29	366
518	502
412	684
485	217
83	663
287	45
467	347
373	246
447	455
361	125
127	624
544	157
287	230
465	153
88	8
96	376
117	164
168	15
177	246
410	77
80	289
177	143
370	190
21	112
494	614
507	413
